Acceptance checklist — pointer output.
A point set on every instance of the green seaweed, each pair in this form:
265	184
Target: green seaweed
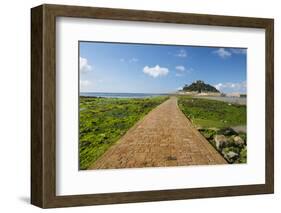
104	120
211	113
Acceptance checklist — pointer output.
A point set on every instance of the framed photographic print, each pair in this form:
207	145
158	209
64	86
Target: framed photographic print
136	106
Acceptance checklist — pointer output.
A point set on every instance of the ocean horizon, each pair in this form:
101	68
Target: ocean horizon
121	94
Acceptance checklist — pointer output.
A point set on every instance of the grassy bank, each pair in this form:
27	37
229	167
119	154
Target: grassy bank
104	120
211	113
214	120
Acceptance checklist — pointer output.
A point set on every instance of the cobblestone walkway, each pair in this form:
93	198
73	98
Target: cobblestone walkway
164	137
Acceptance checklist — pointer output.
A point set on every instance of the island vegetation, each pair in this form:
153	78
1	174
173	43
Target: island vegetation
199	86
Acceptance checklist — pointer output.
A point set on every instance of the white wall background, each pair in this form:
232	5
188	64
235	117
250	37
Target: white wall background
15	104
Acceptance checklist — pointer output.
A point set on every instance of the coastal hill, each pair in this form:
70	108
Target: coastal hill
200	87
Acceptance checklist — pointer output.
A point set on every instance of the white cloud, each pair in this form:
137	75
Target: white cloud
223	53
155	71
180	68
181	53
231	87
84	65
238	50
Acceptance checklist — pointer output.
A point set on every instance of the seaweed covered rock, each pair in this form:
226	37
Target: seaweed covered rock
230	144
220	141
230	156
238	141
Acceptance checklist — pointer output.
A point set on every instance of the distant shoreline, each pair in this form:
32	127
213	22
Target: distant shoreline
121	95
232	100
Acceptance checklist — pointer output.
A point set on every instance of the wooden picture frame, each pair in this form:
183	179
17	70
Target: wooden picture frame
43	105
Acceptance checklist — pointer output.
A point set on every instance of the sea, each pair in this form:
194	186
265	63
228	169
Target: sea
120	95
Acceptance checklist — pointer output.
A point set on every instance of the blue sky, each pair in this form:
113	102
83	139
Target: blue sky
144	68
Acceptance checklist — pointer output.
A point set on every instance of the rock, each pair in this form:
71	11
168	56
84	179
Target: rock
220	141
231	156
238	140
241	128
227	132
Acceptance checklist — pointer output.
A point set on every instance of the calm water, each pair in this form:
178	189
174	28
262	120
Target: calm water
120	95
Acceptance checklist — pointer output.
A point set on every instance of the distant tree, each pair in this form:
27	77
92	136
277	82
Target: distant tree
199	86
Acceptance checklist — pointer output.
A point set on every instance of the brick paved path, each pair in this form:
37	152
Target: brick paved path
164	137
